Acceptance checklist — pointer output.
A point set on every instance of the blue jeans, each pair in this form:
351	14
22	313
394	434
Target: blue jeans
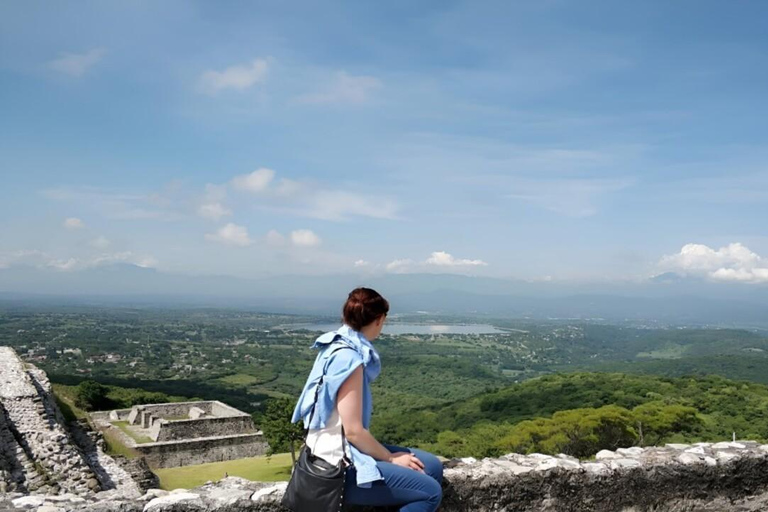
413	490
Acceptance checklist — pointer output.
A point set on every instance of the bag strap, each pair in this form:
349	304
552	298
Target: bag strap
314	405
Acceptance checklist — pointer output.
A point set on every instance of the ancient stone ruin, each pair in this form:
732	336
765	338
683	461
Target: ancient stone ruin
185	433
39	455
48	466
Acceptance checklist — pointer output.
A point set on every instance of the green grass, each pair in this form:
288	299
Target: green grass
116	447
668	352
263	469
239	379
123	425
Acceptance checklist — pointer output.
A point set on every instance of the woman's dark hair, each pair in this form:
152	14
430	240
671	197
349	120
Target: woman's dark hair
363	306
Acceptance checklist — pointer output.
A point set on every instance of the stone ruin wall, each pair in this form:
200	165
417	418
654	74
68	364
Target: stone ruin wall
219	433
204	427
190	452
38	453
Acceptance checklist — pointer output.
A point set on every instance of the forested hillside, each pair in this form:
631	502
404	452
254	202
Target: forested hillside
581	413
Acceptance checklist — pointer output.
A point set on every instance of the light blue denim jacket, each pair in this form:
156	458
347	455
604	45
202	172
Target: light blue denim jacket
340	366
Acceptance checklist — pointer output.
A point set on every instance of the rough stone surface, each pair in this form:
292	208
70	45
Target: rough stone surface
39	453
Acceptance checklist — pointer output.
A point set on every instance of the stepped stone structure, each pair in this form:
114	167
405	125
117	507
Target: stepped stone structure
39	455
44	467
186	433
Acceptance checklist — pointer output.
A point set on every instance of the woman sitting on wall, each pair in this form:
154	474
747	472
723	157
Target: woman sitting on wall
380	474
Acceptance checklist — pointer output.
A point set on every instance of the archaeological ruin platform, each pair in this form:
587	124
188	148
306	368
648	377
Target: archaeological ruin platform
185	433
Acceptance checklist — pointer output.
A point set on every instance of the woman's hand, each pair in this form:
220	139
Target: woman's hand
407	460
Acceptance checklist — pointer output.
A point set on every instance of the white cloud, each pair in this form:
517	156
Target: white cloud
308	199
345	88
211	206
398	266
100	242
339	205
74	64
443	259
65	265
257	181
362	263
231	234
214	211
732	263
440	259
238	77
122	257
305	238
73	223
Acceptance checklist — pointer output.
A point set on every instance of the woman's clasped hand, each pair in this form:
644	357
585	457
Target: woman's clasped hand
407	460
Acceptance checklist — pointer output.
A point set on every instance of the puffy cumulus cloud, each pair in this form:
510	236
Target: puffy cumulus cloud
399	266
238	77
362	264
345	88
438	259
231	234
305	238
76	64
443	259
257	181
732	263
73	223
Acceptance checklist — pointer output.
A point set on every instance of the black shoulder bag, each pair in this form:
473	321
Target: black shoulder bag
316	485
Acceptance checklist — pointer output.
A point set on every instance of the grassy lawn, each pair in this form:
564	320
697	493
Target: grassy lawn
276	468
668	352
239	380
123	425
116	447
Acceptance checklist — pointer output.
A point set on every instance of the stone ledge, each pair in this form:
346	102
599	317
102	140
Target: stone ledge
658	479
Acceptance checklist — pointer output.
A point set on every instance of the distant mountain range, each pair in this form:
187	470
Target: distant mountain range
669	297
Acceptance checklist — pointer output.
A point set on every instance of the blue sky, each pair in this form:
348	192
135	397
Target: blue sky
537	140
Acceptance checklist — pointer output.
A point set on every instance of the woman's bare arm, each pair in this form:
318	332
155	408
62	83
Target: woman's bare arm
350	405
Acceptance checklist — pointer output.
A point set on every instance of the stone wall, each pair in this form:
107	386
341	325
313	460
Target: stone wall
199	451
38	452
204	427
721	477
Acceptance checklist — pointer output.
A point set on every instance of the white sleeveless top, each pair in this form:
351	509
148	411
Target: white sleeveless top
326	442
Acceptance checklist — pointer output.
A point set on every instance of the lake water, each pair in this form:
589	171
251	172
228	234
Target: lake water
394	328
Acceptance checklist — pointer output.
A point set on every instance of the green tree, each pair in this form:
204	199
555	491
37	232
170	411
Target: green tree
92	396
276	424
656	420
